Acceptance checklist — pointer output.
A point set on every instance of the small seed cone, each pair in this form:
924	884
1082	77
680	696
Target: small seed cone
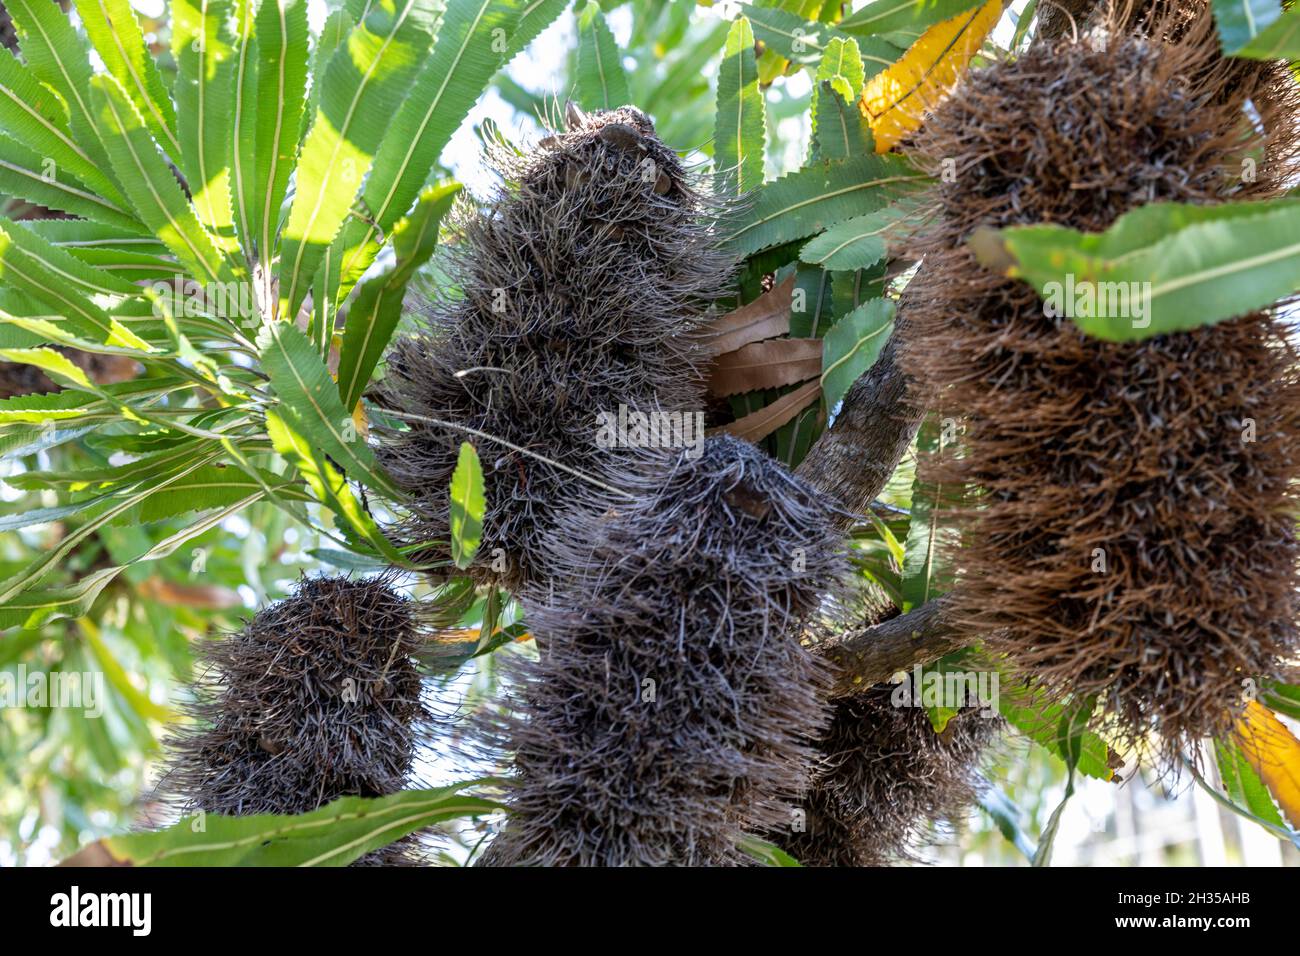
316	698
884	776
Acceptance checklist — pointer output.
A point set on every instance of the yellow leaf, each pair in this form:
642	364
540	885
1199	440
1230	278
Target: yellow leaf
894	101
360	420
1275	754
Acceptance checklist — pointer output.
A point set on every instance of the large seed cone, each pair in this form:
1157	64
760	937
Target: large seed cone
672	708
1133	536
583	282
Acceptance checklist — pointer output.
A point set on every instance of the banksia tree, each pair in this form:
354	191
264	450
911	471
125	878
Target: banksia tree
672	707
242	221
1134	538
580	287
316	698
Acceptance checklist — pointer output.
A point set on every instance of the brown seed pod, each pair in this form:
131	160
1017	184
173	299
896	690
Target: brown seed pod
1129	540
884	775
582	283
316	698
672	707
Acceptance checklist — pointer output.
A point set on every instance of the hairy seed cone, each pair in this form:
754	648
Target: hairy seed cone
1129	541
583	282
672	707
315	699
883	777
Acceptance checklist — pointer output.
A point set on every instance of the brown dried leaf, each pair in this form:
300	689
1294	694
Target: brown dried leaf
758	425
766	317
208	597
771	364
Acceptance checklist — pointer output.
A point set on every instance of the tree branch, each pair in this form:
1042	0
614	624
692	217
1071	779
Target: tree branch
851	462
854	458
871	655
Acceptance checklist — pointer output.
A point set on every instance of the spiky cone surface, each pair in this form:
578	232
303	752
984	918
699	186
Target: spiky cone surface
699	587
1129	453
583	283
884	776
316	698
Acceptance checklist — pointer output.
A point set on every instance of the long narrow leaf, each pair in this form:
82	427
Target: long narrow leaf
361	93
48	274
740	126
33	114
601	80
311	403
58	56
464	58
281	90
377	308
203	47
24	173
334	835
804	203
150	185
1161	268
114	30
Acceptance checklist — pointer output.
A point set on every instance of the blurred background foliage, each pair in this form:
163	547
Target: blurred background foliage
66	778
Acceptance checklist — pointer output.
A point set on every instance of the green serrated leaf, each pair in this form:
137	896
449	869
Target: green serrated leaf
1039	720
377	308
806	202
33	114
282	41
58	56
853	244
1242	784
334	835
1162	268
115	32
215	486
310	401
840	130
468	51
203	47
805	41
24	174
852	346
601	83
913	16
150	185
48	274
534	17
740	125
361	93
